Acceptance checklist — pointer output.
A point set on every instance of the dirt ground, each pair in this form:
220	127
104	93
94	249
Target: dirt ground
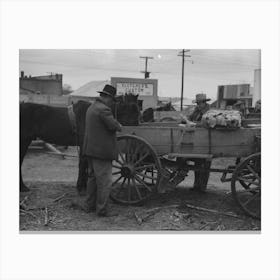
52	182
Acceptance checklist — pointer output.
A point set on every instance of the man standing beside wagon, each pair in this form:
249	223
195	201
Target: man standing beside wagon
201	176
100	148
202	166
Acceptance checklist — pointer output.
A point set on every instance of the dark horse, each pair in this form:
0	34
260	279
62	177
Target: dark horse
148	114
53	125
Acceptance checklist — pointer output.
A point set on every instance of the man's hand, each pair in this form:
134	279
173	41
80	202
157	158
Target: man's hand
187	122
120	127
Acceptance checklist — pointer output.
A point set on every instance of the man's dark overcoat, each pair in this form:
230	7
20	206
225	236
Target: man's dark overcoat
197	114
100	132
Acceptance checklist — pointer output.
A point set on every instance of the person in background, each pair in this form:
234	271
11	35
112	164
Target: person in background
258	107
202	175
201	107
100	147
241	107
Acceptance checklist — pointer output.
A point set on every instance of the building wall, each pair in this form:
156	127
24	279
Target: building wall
41	86
229	94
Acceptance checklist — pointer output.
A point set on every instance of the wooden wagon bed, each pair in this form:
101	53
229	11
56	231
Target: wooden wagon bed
155	155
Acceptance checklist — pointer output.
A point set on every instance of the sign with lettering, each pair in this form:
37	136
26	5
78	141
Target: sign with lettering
142	89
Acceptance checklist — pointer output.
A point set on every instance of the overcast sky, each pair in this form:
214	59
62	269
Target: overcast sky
209	69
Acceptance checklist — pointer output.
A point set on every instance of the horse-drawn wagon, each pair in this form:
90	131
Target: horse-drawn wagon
152	155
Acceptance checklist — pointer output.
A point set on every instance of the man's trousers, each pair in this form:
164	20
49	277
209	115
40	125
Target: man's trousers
202	175
99	184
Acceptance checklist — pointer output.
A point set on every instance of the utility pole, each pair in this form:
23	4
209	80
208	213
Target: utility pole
146	73
183	54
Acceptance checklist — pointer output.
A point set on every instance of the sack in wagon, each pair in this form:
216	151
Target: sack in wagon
227	119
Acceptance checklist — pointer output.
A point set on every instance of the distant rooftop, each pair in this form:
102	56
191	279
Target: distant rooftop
51	77
90	89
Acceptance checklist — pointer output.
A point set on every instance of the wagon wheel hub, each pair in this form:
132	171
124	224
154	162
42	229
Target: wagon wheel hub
127	171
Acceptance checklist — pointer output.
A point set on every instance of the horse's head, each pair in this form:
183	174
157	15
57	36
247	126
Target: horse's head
130	98
148	115
126	110
166	107
80	108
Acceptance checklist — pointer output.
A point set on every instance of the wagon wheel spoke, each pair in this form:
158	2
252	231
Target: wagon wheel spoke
116	166
144	167
122	158
126	150
139	156
115	182
117	172
254	172
249	190
119	162
130	150
248	177
251	198
136	188
142	183
153	176
145	176
128	190
121	187
141	159
251	182
138	148
246	186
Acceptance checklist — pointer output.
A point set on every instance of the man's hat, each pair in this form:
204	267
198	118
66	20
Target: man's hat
109	90
200	97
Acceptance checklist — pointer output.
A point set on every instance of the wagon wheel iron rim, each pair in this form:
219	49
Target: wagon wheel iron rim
136	172
248	195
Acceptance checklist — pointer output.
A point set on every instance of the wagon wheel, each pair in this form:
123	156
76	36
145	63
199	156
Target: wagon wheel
136	172
246	185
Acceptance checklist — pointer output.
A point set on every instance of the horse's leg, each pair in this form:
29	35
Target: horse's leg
24	144
83	170
82	177
197	174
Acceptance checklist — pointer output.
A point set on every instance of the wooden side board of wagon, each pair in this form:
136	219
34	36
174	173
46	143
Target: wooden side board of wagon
168	138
